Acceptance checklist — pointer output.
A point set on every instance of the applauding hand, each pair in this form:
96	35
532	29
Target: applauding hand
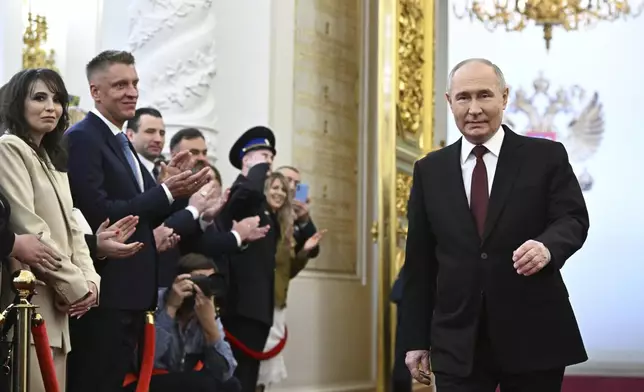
215	205
182	161
110	241
313	241
165	238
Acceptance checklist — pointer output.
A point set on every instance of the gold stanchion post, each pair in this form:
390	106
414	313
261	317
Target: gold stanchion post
24	284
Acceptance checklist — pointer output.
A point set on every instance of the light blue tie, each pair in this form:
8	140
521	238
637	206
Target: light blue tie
125	145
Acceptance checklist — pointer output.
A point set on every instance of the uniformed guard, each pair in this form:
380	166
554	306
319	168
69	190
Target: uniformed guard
248	311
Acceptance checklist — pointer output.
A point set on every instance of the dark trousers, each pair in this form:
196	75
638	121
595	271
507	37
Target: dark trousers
253	334
487	375
179	382
400	378
103	349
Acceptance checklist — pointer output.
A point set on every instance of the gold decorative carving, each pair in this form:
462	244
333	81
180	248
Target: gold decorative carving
403	189
411	58
33	54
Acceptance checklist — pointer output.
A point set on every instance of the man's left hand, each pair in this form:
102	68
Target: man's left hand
204	308
530	258
301	211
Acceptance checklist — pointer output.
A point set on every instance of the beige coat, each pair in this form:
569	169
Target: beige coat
41	202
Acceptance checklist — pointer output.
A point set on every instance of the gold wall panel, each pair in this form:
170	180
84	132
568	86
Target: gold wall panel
326	123
415	103
411	58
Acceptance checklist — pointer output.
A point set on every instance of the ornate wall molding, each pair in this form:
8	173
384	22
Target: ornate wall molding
174	43
186	82
150	17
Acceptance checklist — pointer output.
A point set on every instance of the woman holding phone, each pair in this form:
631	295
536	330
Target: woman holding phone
288	265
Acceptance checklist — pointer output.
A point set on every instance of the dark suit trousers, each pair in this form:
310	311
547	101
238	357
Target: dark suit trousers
253	334
103	349
486	374
400	378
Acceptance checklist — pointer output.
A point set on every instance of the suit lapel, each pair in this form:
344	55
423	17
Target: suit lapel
459	205
56	184
507	169
114	146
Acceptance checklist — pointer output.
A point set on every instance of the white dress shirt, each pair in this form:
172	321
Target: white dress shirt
468	161
138	175
148	164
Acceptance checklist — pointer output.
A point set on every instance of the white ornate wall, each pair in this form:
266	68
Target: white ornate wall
11	30
174	44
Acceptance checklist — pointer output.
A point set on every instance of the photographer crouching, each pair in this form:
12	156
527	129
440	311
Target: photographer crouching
190	351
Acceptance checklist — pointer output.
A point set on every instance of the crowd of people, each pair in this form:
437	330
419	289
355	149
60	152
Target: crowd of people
114	231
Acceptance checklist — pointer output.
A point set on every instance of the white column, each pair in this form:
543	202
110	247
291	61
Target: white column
11	30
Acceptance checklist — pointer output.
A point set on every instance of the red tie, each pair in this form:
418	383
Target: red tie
479	193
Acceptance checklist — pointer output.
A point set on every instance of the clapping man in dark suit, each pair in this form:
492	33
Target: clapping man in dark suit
108	181
492	220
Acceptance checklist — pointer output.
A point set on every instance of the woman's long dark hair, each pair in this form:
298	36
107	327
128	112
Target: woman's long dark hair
12	113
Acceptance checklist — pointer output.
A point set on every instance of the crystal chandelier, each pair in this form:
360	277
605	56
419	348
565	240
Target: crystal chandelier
516	15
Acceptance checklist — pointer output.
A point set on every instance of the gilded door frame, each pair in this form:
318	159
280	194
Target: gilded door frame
405	124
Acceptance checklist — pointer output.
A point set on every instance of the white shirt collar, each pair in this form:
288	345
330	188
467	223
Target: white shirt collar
115	130
148	164
493	145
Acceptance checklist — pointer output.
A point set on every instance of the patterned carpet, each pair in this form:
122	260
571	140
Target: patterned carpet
602	384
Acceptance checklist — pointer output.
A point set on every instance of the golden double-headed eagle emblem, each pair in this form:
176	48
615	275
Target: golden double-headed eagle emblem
568	116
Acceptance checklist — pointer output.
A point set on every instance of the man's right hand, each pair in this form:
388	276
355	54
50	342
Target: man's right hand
182	288
200	200
248	229
215	206
256	159
165	238
181	162
417	362
186	183
28	249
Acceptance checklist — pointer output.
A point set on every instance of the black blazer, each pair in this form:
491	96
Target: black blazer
7	237
251	273
103	186
452	275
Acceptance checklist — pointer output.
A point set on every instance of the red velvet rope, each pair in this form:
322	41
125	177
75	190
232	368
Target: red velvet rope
45	358
147	362
260	356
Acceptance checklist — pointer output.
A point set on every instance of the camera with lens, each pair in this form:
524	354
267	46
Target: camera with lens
210	285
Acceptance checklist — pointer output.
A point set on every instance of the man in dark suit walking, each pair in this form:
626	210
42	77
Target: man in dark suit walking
107	180
492	220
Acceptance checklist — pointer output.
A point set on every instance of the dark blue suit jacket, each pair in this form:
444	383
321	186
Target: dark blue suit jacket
103	186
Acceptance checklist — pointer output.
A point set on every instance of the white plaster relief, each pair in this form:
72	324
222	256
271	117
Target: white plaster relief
186	82
174	45
150	17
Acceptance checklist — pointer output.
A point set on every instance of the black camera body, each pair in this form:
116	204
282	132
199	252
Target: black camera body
210	285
